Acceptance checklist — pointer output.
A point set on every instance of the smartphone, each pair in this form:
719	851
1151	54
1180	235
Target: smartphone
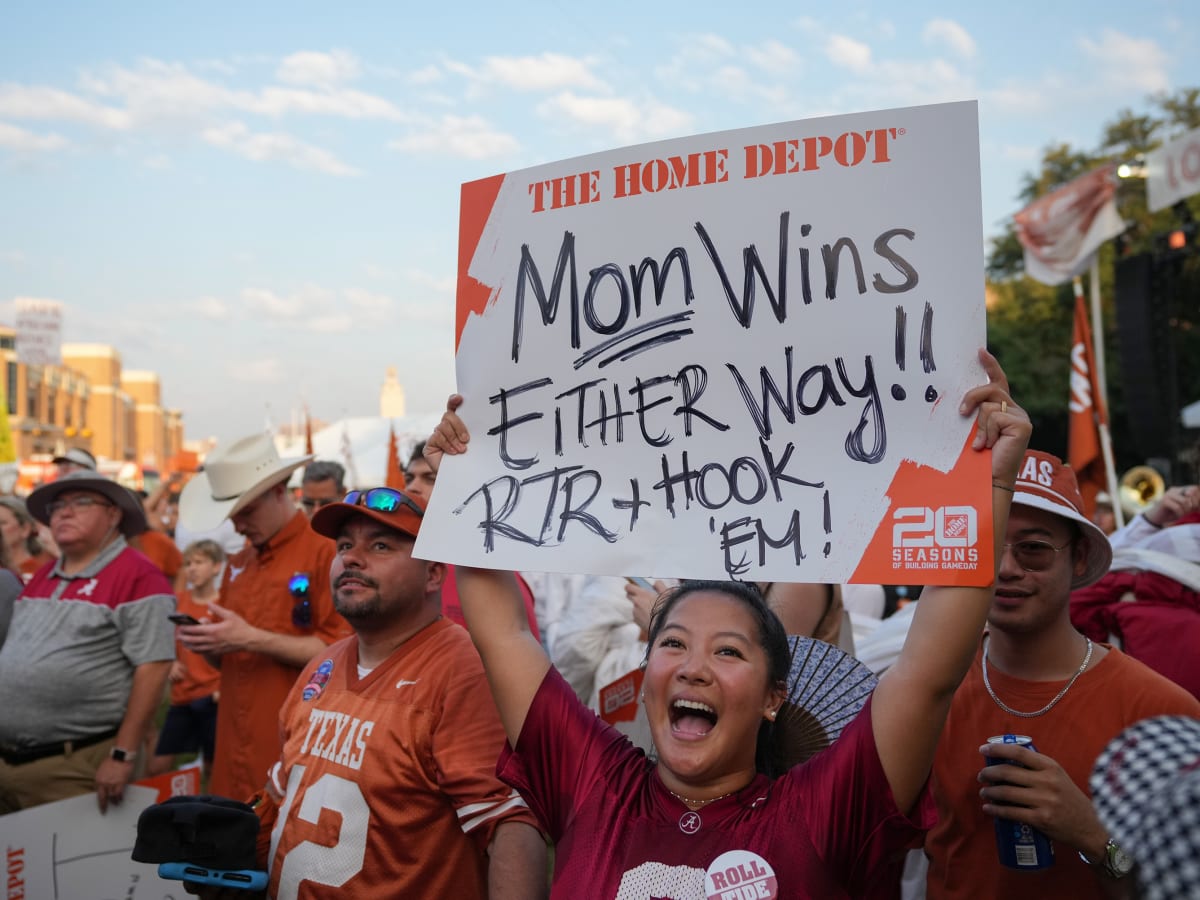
640	582
183	619
241	879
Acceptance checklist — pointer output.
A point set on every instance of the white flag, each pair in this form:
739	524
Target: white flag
1062	230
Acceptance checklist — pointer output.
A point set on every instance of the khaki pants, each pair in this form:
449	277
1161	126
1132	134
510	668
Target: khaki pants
52	778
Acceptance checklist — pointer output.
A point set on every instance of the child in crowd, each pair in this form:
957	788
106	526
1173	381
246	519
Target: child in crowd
191	722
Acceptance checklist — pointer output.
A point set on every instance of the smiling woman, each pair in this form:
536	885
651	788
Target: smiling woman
711	817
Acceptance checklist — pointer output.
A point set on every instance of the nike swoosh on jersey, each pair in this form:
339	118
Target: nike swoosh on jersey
402	682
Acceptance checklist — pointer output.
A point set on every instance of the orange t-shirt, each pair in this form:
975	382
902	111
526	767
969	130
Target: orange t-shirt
1107	698
253	685
30	567
160	550
390	778
200	679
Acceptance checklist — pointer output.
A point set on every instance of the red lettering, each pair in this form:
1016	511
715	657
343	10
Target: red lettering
1189	163
718	881
806	154
567	191
733	876
627	180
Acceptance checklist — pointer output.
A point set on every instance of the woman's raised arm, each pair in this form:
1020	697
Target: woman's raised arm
913	698
493	607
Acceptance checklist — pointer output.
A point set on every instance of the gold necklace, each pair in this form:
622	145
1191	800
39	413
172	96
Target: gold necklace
698	803
1087	658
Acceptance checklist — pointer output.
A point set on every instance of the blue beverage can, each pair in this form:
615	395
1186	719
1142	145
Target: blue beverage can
1018	845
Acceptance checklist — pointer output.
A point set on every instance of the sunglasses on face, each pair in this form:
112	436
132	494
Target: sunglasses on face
1035	556
298	586
382	500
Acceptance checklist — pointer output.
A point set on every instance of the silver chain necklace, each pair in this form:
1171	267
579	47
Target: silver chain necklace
1087	658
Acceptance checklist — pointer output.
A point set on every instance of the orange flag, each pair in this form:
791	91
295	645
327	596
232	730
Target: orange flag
395	474
1086	410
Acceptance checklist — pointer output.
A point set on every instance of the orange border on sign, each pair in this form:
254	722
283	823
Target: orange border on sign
478	199
969	483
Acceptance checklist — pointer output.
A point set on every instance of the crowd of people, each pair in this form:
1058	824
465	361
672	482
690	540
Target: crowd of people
410	728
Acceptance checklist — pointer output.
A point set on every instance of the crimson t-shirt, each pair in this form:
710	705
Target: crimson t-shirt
826	829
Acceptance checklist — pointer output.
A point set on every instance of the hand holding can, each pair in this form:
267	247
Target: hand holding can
1019	846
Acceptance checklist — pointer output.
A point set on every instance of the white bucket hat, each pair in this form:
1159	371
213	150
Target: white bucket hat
233	477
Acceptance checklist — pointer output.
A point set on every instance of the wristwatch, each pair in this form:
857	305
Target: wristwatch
121	755
1115	863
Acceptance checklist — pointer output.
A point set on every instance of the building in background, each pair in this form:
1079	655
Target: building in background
89	402
391	396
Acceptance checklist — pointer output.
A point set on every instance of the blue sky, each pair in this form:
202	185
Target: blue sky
259	201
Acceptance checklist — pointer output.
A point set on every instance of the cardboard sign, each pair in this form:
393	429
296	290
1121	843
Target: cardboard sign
68	851
731	355
619	707
1173	171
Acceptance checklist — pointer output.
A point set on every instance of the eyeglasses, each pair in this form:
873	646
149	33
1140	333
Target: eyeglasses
382	500
75	503
310	502
1035	556
298	586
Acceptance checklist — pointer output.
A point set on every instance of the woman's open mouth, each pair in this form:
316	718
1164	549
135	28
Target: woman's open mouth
691	718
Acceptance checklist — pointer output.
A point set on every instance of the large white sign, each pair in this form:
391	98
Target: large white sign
69	851
39	331
731	355
1173	171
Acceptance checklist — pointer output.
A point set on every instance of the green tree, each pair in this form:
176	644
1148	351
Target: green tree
1029	324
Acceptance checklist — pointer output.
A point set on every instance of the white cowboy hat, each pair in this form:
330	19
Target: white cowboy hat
133	517
233	477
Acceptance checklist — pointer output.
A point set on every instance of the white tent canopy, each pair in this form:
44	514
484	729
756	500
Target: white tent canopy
368	439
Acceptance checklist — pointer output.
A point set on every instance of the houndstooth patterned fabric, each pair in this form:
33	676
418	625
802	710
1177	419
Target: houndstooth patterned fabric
1146	790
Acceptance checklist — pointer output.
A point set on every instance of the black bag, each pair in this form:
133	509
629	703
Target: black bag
214	832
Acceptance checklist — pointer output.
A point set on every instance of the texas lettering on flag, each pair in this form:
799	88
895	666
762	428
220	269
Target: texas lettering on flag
1086	409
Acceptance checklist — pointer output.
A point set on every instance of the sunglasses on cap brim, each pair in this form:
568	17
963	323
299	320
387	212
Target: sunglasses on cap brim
385	500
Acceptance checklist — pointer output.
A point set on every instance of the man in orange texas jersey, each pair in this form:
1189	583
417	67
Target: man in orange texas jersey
386	786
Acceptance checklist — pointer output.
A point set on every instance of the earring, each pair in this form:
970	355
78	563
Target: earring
771	715
642	697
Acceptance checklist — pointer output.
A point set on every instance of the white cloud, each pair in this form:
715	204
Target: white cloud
1023	98
428	75
774	57
322	69
368	301
21	140
626	119
260	370
848	53
19	101
547	72
275	147
952	35
159	92
272	305
467	137
211	308
442	284
1129	61
336	323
